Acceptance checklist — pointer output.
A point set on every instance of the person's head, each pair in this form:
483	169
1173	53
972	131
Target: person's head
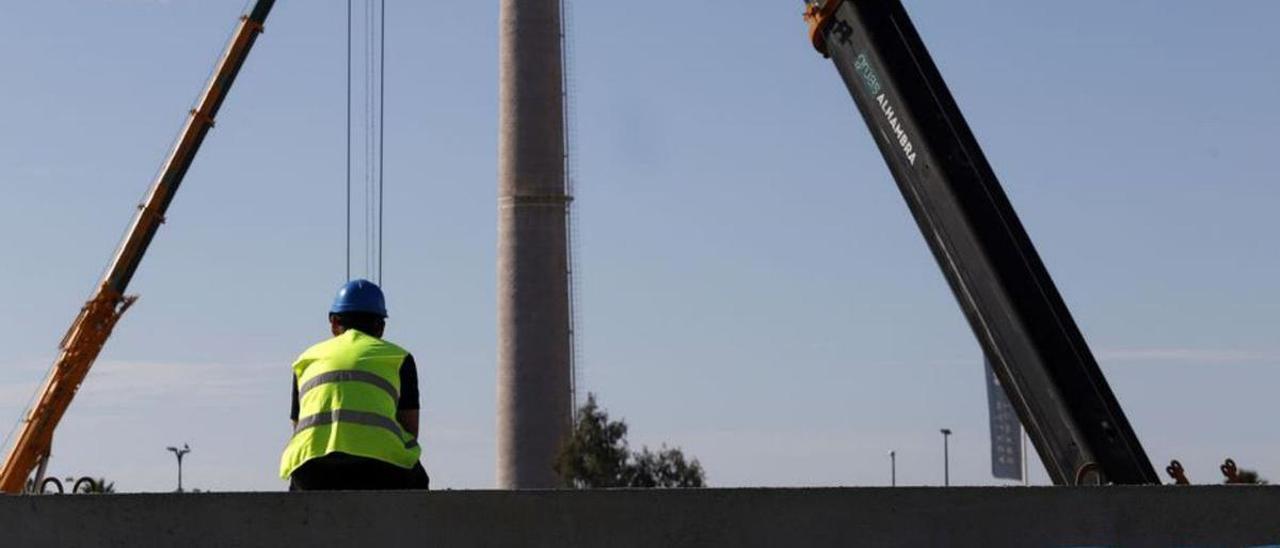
369	324
359	305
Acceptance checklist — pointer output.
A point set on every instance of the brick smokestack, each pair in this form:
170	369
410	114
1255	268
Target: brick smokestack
534	407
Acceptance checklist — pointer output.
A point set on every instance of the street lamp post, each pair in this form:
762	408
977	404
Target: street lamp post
946	458
180	453
893	468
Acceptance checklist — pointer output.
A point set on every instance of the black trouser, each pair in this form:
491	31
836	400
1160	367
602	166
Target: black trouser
343	472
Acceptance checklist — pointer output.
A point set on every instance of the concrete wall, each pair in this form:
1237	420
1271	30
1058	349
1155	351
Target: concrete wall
1125	516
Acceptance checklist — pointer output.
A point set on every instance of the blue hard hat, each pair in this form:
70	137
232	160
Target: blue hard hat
361	296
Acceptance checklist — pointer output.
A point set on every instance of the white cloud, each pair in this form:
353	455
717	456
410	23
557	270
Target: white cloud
132	384
119	381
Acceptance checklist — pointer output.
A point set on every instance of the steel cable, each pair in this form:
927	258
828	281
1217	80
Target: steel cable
348	195
382	126
373	42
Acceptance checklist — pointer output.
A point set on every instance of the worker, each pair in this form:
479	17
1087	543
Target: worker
355	404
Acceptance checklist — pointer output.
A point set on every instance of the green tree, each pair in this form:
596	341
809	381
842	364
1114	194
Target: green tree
596	456
103	487
666	468
91	486
1247	477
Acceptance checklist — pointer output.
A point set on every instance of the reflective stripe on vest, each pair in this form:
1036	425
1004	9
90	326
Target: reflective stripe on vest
352	376
353	417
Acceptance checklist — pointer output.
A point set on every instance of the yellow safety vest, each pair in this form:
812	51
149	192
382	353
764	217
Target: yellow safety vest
348	394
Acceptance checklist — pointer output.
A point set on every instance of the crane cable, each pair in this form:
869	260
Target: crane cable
382	129
368	141
348	194
374	43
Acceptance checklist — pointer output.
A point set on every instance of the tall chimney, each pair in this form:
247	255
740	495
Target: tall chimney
534	407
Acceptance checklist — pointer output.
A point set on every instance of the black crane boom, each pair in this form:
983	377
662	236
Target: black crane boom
1007	295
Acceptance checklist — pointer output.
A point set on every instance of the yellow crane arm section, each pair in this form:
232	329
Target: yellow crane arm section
91	328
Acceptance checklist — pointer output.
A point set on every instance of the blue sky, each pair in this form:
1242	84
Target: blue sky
753	288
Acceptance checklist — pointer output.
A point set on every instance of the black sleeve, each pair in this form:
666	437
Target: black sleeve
409	385
293	414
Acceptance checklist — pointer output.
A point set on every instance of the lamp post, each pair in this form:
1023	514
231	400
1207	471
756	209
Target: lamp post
180	453
893	468
946	458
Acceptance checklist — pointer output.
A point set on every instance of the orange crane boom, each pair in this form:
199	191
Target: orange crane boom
91	328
